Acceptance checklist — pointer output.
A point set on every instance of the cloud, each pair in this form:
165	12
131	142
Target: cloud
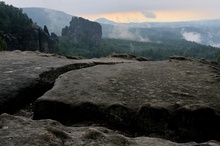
196	8
215	45
113	6
57	20
191	36
122	32
149	14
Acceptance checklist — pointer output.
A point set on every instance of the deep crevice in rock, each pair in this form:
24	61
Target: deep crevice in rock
40	86
37	88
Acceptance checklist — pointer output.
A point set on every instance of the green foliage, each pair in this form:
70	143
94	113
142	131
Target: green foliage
69	48
16	27
12	19
164	49
2	42
155	51
218	57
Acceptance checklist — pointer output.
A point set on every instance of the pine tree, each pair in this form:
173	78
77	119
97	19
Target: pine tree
2	42
218	58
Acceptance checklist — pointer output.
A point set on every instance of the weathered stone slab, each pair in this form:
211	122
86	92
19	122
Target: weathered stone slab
24	76
178	100
21	131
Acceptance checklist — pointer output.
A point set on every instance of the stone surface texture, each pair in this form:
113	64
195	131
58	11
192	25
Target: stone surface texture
27	75
54	100
21	131
178	99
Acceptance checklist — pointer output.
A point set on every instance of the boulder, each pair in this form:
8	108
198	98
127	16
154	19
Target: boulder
22	131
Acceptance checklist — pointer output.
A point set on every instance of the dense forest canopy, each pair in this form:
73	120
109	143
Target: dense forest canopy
2	42
12	19
155	51
20	33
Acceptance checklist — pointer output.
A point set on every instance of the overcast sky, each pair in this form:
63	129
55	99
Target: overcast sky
131	10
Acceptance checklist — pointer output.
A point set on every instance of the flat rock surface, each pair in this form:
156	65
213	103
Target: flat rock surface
136	84
178	99
21	131
27	74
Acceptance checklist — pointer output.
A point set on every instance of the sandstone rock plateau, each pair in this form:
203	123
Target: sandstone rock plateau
143	103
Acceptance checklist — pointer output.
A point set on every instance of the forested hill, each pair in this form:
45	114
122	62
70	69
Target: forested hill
161	50
13	19
12	22
18	32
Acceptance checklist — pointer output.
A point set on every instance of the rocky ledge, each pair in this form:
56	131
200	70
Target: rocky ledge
141	102
27	75
21	131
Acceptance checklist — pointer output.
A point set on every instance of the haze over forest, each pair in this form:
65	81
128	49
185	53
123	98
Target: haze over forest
205	32
155	40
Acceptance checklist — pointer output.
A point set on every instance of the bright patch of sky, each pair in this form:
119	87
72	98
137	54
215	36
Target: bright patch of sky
131	10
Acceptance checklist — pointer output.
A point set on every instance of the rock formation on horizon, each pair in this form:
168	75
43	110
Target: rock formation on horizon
34	38
82	31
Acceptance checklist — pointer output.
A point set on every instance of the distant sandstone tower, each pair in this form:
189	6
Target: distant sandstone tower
83	31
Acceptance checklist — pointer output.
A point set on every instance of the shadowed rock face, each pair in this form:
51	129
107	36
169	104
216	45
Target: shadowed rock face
21	131
82	31
33	38
173	99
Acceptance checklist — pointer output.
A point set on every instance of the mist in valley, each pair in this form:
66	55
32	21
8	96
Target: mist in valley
206	32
